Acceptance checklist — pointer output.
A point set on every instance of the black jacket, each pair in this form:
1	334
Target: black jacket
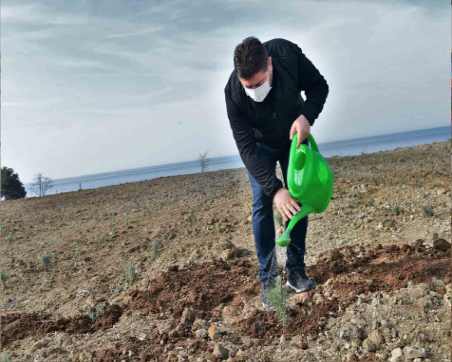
269	121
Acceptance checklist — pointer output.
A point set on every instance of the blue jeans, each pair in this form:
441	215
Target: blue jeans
264	227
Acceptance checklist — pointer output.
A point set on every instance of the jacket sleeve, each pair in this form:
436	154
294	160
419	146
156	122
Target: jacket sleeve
312	83
262	170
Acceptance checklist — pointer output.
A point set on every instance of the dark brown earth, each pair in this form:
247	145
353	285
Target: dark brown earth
352	271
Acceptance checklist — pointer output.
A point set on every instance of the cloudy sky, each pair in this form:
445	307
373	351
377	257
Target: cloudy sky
100	85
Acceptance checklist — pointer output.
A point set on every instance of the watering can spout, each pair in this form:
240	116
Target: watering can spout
284	238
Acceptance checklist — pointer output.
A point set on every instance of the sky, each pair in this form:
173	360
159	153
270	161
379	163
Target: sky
91	86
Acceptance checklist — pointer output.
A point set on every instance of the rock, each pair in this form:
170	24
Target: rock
373	341
213	332
231	315
219	351
441	245
198	324
418	291
369	346
201	333
396	355
185	323
317	298
188	316
299	298
352	332
84	356
414	352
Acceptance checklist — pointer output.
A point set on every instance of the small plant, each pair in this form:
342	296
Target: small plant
428	211
278	298
45	260
96	312
131	274
3	277
5	357
396	210
154	249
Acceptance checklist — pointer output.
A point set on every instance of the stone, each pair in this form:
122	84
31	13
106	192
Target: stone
231	315
414	352
369	346
441	245
219	351
201	333
373	341
396	355
213	332
198	324
188	316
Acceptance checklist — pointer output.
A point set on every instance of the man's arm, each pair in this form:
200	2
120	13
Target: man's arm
242	132
312	83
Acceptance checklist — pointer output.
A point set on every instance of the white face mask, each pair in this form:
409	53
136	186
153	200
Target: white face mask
258	94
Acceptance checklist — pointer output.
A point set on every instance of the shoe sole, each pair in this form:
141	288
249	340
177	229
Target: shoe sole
298	290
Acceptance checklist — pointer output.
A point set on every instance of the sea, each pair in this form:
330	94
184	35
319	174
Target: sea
328	149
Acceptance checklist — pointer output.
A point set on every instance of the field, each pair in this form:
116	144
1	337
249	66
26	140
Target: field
165	270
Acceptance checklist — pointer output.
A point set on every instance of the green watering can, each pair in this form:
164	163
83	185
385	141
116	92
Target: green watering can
309	181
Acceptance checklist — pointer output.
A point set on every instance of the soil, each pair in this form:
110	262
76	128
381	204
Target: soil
166	270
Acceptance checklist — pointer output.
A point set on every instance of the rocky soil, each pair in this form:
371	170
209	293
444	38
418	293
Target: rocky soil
165	270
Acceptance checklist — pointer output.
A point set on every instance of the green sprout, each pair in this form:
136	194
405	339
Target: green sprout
154	249
428	211
3	277
45	259
277	296
131	274
95	312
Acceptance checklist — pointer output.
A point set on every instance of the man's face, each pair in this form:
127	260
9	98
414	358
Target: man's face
259	78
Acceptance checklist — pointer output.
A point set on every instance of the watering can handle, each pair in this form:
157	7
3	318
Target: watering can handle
311	141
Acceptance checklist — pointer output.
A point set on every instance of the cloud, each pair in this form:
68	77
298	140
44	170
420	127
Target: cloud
136	72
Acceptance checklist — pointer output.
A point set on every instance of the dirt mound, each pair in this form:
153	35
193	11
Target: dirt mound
16	325
199	286
352	271
201	291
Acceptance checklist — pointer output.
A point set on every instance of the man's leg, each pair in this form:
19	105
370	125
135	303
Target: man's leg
263	222
264	232
296	249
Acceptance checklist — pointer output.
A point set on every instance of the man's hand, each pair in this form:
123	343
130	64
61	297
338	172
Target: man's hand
286	205
302	126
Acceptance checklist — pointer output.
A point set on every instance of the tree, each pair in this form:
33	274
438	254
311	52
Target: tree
203	160
11	186
41	184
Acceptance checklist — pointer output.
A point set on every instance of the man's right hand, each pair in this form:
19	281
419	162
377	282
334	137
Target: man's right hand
285	204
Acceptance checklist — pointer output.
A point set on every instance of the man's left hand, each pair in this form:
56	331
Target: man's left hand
302	126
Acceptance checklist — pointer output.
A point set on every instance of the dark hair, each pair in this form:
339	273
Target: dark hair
250	57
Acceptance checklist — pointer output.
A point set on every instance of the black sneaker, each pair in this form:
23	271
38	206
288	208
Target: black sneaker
299	282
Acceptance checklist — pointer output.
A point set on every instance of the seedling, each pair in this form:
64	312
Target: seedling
154	249
131	274
428	211
396	210
278	298
45	259
96	312
3	277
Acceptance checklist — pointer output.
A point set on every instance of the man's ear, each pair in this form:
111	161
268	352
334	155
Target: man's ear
269	60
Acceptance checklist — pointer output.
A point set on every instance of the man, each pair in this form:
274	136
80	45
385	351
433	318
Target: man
265	109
